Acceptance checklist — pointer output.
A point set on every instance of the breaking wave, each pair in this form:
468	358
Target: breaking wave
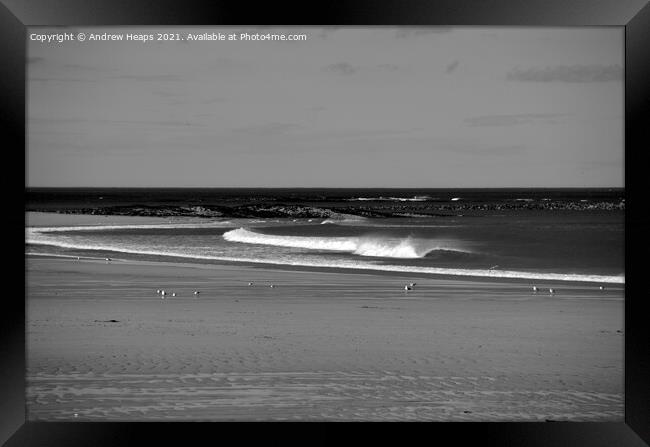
31	231
363	245
345	219
391	199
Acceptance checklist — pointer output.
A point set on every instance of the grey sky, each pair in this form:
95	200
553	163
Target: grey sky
349	107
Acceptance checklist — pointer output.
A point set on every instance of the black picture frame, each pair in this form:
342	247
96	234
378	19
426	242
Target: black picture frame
634	15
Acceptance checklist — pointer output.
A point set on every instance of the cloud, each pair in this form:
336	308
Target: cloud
474	150
511	120
568	73
363	134
451	67
153	77
55	79
266	130
162	123
165	94
417	31
388	67
81	67
214	100
103	122
343	68
501	150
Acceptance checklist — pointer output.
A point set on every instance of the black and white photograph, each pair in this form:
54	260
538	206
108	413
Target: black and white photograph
332	223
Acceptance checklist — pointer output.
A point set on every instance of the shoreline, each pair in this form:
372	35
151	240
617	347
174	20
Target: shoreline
178	261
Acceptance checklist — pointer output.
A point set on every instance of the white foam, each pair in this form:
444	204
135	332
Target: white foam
345	219
219	224
391	199
406	248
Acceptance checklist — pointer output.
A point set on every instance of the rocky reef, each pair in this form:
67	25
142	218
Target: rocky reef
376	210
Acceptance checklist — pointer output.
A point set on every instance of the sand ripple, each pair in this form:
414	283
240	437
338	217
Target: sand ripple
331	395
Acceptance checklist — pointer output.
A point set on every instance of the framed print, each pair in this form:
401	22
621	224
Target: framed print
370	212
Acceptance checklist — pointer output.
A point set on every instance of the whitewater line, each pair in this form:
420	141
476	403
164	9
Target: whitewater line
404	248
510	274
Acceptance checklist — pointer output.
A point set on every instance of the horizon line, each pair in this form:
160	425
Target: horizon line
325	187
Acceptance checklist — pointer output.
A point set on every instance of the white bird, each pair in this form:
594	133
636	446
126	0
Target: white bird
407	288
158	291
602	287
163	293
77	258
534	288
412	284
173	293
196	292
551	291
108	259
250	283
272	286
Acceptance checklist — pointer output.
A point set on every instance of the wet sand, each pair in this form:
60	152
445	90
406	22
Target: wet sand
102	345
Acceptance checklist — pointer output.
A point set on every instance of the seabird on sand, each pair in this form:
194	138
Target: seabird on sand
602	287
534	288
196	292
407	288
551	291
250	283
173	293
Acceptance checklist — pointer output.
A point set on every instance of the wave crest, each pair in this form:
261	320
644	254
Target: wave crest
363	245
391	199
342	219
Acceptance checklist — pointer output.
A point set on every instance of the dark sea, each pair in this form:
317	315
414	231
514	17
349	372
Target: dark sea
537	234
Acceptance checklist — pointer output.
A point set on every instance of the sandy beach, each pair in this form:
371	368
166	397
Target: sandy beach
103	345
